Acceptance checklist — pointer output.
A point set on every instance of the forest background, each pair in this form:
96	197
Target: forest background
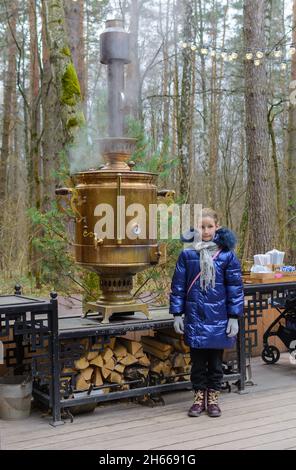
210	96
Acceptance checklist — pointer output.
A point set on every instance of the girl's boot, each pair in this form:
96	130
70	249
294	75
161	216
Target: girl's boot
199	404
212	403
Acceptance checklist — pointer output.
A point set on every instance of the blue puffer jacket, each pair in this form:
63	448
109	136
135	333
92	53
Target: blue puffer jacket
207	312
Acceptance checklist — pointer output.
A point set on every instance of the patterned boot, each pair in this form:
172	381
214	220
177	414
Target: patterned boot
212	403
199	404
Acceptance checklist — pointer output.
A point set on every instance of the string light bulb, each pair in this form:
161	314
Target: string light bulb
257	62
213	53
204	51
283	66
277	53
234	55
249	56
224	55
292	50
193	47
184	45
259	55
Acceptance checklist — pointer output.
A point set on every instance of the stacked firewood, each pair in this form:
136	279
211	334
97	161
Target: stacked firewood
123	360
169	356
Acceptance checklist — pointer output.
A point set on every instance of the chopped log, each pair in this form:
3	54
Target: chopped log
97	361
178	360
91	355
115	377
118	359
112	342
150	341
140	353
170	332
81	363
166	368
119	368
163	355
107	354
120	351
177	343
125	387
110	364
135	373
132	346
187	359
68	370
105	372
128	360
98	381
144	361
156	366
81	383
144	371
87	373
187	369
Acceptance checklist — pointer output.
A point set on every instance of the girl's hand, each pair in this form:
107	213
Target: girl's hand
232	327
179	325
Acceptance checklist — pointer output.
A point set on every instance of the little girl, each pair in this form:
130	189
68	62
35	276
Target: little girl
207	289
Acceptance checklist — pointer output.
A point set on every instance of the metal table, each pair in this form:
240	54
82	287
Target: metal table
23	312
259	297
27	325
35	325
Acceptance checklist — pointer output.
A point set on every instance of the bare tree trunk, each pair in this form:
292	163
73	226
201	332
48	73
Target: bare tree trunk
279	233
165	75
184	120
257	133
34	158
52	138
74	15
7	126
9	90
64	72
291	160
205	114
35	190
175	112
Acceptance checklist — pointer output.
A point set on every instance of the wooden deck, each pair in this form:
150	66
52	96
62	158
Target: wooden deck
265	418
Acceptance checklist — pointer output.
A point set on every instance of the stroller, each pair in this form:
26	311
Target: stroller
287	333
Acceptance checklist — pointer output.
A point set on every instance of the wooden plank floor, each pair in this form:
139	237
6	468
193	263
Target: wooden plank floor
265	418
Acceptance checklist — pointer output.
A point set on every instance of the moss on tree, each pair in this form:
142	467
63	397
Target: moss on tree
77	120
71	88
66	51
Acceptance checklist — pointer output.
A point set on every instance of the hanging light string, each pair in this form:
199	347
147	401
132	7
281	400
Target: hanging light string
255	56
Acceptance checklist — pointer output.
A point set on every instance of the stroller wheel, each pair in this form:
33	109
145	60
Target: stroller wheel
270	354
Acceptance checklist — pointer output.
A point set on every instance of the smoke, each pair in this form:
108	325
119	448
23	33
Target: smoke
85	151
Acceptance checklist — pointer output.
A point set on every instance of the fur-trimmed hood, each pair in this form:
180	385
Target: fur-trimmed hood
224	238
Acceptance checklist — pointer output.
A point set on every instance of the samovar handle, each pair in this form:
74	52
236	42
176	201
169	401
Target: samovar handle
166	193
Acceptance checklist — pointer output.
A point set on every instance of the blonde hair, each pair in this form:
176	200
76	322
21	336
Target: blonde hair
208	212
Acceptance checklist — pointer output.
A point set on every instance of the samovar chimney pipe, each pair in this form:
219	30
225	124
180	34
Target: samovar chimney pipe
114	45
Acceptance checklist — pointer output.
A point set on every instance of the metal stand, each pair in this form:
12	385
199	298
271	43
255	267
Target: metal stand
107	310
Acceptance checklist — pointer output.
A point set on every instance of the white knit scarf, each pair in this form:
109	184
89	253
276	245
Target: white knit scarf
206	251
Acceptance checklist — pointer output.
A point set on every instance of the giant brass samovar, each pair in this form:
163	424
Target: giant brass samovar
116	258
